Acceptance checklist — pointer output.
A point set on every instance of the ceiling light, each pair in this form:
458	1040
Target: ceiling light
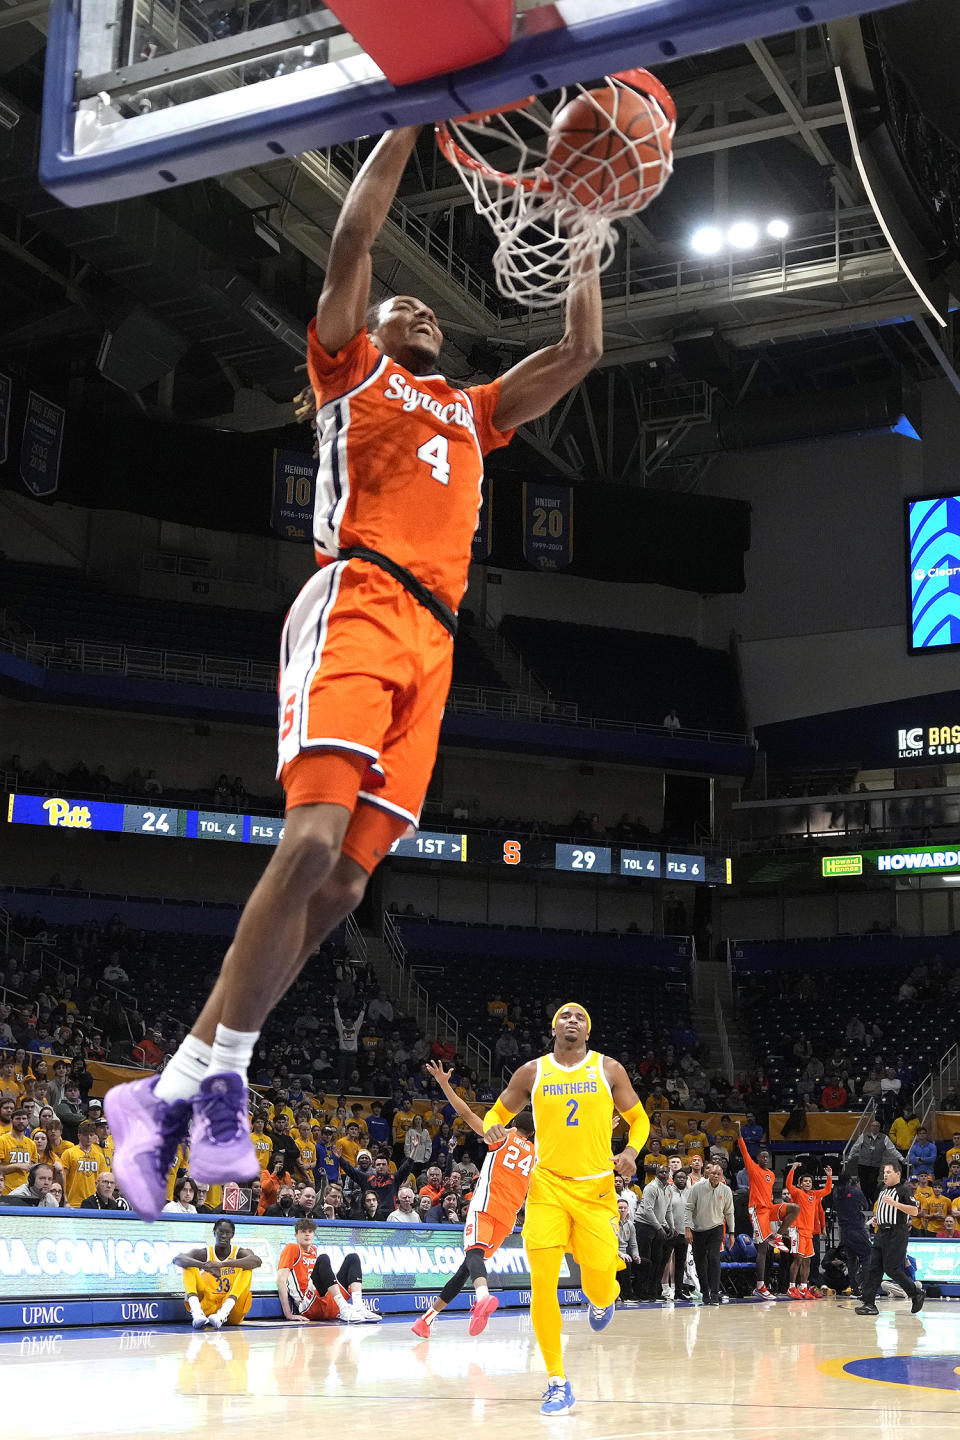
743	235
708	240
778	229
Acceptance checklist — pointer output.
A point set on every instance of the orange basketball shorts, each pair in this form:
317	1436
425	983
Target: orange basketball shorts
325	1307
486	1231
364	676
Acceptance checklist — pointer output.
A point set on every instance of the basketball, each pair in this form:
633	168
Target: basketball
610	148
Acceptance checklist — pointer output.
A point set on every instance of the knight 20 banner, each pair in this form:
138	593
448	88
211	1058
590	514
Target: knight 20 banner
547	524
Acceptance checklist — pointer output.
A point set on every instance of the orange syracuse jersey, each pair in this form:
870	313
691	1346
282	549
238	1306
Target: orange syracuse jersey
401	461
504	1180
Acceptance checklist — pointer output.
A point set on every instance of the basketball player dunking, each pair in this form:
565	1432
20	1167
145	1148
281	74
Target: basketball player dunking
572	1202
366	658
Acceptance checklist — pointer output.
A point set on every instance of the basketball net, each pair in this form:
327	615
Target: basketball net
545	237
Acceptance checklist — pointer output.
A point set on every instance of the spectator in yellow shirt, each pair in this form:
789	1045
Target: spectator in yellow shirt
725	1135
654	1159
17	1153
348	1146
922	1196
261	1141
953	1153
306	1144
402	1120
7	1108
903	1130
936	1209
696	1141
82	1163
104	1139
9	1085
658	1099
670	1134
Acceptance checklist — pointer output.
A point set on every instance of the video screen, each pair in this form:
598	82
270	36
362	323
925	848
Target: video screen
933	576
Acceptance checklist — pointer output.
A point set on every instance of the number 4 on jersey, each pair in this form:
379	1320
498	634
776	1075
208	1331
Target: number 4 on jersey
434	453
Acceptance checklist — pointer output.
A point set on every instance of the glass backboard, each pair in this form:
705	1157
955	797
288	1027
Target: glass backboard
141	95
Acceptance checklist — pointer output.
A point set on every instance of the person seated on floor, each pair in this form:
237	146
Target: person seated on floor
308	1288
217	1279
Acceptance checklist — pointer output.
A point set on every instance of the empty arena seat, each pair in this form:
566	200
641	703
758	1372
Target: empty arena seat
629	675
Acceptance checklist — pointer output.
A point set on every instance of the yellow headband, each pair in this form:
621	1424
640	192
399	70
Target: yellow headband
565	1006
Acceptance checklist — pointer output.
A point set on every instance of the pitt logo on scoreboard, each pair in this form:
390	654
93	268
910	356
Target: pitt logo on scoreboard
72	817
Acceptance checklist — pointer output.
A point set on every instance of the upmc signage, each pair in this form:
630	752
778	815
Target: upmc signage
931	742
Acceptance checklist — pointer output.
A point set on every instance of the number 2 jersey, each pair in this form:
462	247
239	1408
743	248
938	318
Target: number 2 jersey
504	1179
401	461
573	1114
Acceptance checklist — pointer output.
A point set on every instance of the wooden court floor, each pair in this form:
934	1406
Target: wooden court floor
746	1370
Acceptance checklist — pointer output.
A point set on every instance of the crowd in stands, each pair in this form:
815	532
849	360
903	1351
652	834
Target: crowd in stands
838	1024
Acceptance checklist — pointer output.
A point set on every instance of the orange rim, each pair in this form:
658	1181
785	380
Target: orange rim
458	156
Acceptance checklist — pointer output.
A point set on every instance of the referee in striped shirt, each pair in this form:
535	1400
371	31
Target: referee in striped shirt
891	1220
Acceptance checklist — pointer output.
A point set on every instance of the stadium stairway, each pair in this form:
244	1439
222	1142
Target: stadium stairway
713	977
506	658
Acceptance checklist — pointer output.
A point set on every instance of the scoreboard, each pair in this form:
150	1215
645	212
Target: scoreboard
582	858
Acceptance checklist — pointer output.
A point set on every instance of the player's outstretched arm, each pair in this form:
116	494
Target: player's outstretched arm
534	386
283	1290
627	1101
246	1260
346	286
509	1103
442	1077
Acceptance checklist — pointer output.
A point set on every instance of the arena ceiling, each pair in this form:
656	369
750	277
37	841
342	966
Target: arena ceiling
233	266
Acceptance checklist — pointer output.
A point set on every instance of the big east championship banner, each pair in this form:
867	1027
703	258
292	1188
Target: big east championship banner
294	474
547	524
41	445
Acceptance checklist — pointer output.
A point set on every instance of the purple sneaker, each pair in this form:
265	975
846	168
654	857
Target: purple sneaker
146	1134
220	1144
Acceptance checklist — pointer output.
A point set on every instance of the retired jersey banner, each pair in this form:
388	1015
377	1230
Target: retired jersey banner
547	524
41	445
294	480
483	535
6	390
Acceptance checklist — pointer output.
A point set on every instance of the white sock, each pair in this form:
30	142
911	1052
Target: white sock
196	1309
480	1289
556	1380
232	1051
181	1078
431	1315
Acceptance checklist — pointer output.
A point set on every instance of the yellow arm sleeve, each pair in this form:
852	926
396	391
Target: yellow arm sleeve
496	1115
639	1122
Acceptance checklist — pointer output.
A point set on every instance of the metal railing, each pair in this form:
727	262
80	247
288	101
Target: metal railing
436	1021
866	1115
924	1098
726	1054
16	1001
42	957
226	672
196	567
356	943
949	1073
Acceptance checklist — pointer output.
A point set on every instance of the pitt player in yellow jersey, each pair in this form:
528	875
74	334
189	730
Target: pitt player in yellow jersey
572	1203
217	1279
